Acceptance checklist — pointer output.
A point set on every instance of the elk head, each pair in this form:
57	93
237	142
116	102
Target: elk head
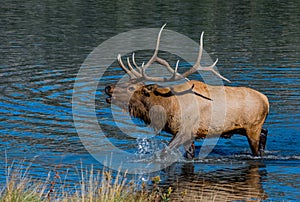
138	98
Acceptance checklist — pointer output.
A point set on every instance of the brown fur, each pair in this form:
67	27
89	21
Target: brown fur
195	110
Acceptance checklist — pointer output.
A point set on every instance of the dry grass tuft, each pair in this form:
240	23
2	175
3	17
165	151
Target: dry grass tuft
102	186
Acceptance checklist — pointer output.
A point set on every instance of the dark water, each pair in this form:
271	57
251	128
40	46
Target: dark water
44	44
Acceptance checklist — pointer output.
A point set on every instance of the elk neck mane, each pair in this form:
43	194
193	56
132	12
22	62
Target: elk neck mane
138	110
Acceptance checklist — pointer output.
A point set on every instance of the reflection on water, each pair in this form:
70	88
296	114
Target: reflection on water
43	45
243	183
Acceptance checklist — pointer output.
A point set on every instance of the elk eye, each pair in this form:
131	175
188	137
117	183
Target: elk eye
131	89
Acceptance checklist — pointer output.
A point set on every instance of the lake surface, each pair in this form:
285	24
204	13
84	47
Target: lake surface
43	46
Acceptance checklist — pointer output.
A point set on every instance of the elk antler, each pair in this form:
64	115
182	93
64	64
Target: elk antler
140	73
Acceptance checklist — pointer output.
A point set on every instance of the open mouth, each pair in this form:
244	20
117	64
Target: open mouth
108	100
107	91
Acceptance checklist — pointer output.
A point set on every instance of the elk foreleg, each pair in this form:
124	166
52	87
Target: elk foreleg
185	140
189	150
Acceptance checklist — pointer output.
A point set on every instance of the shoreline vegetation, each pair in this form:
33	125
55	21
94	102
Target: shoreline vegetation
102	186
107	185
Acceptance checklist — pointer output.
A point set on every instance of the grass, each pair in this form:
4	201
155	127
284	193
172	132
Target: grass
19	187
106	186
91	187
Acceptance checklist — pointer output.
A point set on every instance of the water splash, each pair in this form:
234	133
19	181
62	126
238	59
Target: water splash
148	146
154	150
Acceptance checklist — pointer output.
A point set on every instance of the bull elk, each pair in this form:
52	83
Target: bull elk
186	110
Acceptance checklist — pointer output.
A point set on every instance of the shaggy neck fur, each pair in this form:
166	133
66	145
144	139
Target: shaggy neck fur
138	110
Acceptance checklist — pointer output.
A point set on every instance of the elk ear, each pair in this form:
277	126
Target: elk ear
176	90
149	88
163	91
183	88
156	89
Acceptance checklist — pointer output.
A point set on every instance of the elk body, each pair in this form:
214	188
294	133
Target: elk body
192	109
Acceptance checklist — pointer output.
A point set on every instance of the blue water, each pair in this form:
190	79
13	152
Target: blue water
44	44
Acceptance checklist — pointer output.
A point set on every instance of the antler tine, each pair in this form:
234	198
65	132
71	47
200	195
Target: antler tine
132	76
133	60
176	67
177	76
219	75
200	51
154	56
133	71
198	66
175	73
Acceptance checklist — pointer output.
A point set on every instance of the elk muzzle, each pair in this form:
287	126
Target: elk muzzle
109	91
